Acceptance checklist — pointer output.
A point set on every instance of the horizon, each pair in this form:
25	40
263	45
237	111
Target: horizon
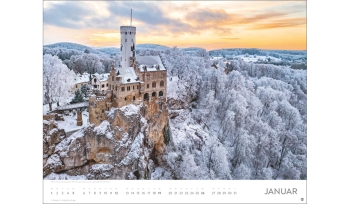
273	25
100	47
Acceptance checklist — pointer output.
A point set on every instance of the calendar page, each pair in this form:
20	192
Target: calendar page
174	102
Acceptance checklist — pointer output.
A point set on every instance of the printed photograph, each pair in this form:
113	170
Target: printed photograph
174	90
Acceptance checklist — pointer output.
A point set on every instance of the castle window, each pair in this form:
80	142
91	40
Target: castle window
161	83
103	85
125	99
133	87
154	94
113	87
123	88
148	77
95	80
107	84
163	74
148	86
133	98
103	111
154	76
112	78
160	93
154	84
128	88
76	86
116	88
145	96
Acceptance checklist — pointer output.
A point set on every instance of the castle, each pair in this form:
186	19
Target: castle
137	79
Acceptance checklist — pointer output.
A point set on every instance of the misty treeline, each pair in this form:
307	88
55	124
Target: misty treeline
248	122
289	55
84	61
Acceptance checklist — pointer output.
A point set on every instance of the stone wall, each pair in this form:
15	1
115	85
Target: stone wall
97	109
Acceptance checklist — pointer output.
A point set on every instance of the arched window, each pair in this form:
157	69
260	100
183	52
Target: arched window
103	85
125	99
133	98
145	96
95	80
161	83
160	93
154	84
154	94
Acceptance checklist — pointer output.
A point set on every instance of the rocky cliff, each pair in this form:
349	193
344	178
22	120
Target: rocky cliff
127	145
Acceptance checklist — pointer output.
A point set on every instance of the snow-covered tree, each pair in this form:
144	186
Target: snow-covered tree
57	80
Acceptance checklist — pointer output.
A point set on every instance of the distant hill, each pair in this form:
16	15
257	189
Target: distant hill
116	50
109	50
191	49
74	46
151	46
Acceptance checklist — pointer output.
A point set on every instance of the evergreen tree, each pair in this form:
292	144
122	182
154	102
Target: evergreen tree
79	97
85	89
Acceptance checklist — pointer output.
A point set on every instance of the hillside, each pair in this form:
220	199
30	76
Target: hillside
73	46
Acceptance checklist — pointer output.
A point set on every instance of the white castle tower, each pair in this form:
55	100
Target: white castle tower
127	45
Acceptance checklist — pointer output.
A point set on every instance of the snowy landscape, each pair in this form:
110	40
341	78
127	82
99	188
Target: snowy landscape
237	114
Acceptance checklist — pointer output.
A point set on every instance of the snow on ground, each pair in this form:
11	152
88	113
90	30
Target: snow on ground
130	109
46	108
54	176
70	121
251	58
103	128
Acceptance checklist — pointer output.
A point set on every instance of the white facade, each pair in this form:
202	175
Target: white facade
100	82
127	44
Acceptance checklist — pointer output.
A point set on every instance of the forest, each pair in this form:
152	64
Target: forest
228	120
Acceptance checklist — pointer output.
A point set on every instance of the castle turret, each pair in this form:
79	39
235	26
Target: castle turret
127	45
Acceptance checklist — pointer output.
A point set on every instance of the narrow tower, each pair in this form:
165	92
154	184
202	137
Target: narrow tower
127	45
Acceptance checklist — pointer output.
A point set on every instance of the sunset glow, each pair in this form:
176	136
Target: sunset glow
210	25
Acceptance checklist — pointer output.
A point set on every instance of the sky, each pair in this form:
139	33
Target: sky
208	24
